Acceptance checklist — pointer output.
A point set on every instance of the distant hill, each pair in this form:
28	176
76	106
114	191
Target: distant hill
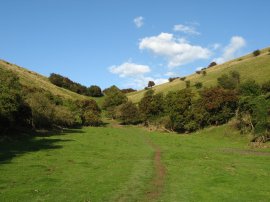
33	80
249	67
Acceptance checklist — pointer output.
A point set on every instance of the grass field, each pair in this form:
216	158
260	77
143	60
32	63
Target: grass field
133	164
248	66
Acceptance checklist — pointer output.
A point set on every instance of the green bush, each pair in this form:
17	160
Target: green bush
128	113
198	85
250	88
256	52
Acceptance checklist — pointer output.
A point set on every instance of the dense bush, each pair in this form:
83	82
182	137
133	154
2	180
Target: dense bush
114	97
253	116
229	81
250	88
128	90
212	64
266	87
219	103
198	85
151	84
151	105
256	53
14	112
94	91
66	83
128	113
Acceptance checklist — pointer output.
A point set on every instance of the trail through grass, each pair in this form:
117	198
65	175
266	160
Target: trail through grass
126	164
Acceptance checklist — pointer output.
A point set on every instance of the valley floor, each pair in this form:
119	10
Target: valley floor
132	164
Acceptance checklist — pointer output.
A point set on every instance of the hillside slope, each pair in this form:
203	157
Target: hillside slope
32	80
249	67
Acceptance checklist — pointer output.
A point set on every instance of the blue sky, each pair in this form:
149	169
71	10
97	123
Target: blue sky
127	43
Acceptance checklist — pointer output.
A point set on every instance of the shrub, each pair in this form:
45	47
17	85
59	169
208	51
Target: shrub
256	53
183	78
14	112
129	113
198	72
250	88
266	87
187	83
94	91
230	81
204	73
42	110
198	85
128	90
151	84
212	64
151	105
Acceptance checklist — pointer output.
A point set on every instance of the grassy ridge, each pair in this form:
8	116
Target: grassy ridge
116	164
249	67
32	80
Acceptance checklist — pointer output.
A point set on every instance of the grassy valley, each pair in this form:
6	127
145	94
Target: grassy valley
125	156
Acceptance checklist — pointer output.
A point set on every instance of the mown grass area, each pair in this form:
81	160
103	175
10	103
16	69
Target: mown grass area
117	164
249	67
215	164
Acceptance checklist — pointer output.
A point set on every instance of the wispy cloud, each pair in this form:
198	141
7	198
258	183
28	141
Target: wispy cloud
128	69
186	29
138	21
231	50
176	51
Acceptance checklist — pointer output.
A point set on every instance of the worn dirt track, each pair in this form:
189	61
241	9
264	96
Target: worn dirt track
157	182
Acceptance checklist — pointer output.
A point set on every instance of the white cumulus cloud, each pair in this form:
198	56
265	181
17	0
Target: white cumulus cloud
142	81
231	50
177	51
185	29
128	69
138	21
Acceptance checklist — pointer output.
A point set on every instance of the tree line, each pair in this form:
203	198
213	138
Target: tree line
64	82
246	105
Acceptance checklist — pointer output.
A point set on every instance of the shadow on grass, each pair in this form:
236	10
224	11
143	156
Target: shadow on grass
19	144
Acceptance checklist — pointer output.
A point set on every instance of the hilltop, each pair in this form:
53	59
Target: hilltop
249	67
33	80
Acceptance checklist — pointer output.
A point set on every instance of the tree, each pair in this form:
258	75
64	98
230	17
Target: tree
250	88
14	111
129	113
94	91
90	112
219	103
256	52
198	85
151	84
212	64
177	106
114	97
230	81
151	105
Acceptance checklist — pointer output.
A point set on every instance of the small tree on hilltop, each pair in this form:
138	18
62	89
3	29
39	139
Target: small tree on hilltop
151	84
212	64
256	52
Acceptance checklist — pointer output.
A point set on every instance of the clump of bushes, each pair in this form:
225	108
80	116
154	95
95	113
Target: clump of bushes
256	53
66	83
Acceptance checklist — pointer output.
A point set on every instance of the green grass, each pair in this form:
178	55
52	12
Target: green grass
249	67
116	164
